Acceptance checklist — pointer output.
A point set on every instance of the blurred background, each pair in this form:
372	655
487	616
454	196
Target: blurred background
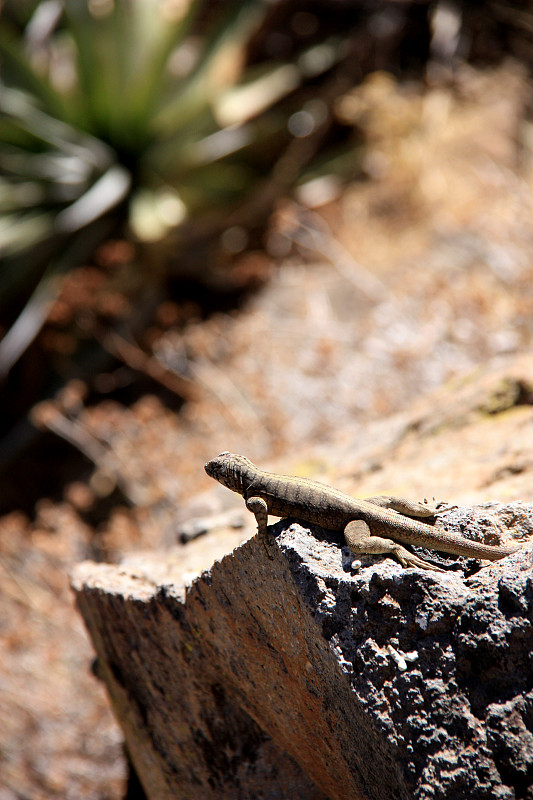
250	226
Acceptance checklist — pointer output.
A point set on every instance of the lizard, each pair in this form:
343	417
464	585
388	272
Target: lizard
375	525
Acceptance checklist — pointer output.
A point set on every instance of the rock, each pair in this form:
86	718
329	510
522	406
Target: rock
298	677
457	706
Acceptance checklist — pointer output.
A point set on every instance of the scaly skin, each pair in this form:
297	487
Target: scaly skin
372	526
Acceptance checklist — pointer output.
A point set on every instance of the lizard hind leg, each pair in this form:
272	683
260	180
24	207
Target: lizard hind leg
360	540
410	508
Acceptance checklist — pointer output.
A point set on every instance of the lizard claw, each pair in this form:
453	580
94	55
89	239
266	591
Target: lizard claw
410	560
268	545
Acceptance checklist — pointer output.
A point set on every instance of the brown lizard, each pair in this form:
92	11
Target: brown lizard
375	525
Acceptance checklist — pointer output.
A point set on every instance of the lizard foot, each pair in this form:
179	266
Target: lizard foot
408	559
268	545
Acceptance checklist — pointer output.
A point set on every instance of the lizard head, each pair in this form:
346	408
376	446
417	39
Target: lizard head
231	470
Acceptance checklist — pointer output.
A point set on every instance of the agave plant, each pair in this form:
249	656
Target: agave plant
114	112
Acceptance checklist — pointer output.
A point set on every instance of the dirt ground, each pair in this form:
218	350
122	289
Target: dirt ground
399	282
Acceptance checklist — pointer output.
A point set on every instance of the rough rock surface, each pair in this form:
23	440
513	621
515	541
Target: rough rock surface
302	677
441	664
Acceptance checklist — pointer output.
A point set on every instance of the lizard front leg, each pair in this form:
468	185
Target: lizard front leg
360	540
259	509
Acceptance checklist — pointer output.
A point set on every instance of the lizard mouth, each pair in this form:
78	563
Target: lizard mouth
209	468
231	470
216	468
